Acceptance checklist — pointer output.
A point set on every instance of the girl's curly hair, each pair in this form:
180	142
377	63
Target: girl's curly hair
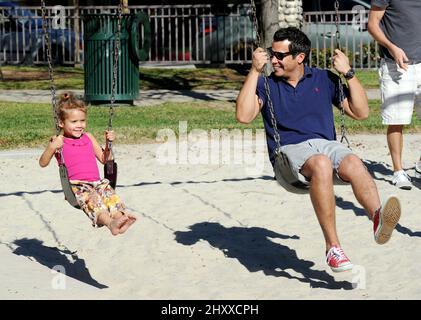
68	101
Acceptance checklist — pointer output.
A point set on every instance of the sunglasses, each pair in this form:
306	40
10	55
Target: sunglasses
277	54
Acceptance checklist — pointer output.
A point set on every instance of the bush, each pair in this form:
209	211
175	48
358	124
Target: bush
364	57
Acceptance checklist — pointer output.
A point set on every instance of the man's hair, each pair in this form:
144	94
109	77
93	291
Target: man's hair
299	42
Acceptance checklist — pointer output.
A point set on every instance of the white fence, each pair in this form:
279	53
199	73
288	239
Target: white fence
181	34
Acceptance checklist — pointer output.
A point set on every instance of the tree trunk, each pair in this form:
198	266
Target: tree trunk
126	6
275	14
77	32
290	13
268	21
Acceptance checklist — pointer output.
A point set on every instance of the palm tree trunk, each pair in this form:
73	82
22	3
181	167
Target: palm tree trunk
269	20
125	6
290	13
77	32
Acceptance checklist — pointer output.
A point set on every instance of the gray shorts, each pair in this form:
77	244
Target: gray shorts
299	153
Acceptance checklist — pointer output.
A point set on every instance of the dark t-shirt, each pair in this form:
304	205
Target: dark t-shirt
301	113
401	24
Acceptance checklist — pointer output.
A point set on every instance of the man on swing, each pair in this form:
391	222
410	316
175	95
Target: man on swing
302	99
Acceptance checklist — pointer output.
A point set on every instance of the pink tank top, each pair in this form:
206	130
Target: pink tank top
79	158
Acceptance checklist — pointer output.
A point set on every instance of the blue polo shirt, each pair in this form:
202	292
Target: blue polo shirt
302	113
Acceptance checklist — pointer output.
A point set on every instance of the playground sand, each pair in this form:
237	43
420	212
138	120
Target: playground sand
217	230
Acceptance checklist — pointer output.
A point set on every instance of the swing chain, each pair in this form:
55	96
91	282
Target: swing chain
272	114
266	83
340	84
342	110
337	17
50	67
108	144
115	68
257	40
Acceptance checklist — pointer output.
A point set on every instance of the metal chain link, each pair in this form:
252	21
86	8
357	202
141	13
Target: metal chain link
255	24
50	68
266	83
115	67
342	110
341	94
109	144
272	114
337	24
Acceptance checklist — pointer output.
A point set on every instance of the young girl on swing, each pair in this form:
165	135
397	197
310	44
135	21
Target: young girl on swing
80	150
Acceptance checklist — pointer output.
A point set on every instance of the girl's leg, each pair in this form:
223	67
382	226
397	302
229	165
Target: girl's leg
119	220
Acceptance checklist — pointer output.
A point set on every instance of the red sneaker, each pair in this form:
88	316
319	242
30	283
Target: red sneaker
385	220
337	260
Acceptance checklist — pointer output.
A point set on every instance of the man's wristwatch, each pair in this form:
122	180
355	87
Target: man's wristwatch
350	74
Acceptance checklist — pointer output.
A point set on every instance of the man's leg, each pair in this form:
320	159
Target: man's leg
418	111
395	143
398	96
385	217
352	169
318	169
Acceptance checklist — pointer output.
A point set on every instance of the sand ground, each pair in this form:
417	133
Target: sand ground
204	231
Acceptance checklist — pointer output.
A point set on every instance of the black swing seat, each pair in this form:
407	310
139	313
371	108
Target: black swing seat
110	166
67	188
110	172
286	178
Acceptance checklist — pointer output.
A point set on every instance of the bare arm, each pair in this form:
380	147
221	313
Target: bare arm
356	104
56	142
98	150
375	16
247	106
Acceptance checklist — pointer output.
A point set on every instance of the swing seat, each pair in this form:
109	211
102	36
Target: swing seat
286	178
67	188
110	172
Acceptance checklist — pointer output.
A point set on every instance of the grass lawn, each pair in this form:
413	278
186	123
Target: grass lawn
31	125
150	78
175	79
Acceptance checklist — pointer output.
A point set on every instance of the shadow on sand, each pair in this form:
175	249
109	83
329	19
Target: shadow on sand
253	248
52	257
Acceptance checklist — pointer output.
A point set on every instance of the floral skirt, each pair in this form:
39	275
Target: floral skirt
97	197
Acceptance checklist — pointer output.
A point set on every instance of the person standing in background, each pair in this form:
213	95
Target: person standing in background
396	26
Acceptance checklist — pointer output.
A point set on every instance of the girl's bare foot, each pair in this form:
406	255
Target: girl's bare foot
117	224
130	220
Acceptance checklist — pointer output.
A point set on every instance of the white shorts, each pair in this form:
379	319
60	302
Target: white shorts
400	91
